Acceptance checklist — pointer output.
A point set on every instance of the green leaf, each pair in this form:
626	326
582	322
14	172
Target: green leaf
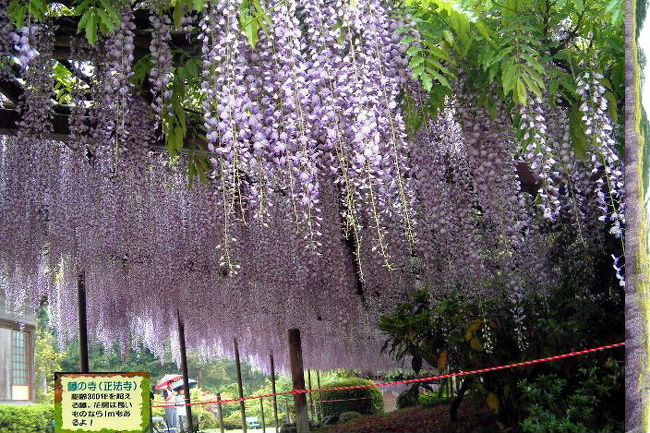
250	28
413	50
199	5
108	26
427	82
577	132
91	29
417	71
579	5
141	68
508	76
521	92
612	106
16	11
441	78
416	61
81	25
111	9
532	85
178	13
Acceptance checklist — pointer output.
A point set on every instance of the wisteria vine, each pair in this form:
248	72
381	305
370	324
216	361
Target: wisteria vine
319	211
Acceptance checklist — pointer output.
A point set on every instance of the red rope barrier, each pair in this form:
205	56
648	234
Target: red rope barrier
421	379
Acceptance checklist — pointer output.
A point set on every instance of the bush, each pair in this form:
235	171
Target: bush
432	400
553	405
366	400
205	418
232	421
30	418
408	398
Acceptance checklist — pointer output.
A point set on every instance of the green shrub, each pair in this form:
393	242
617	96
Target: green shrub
431	399
205	418
553	405
30	418
407	398
232	421
366	401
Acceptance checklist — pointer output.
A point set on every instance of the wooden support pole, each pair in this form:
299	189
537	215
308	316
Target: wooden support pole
298	379
83	323
240	386
310	396
320	395
275	398
221	428
262	411
186	376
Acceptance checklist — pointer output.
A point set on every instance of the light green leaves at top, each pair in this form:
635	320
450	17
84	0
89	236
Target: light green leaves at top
63	83
20	10
252	19
97	17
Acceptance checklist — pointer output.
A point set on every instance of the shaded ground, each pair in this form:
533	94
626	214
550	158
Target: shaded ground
250	430
418	420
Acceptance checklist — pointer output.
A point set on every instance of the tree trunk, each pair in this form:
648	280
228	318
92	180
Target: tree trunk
453	409
636	247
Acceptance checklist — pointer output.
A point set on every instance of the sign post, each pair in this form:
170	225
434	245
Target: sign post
102	402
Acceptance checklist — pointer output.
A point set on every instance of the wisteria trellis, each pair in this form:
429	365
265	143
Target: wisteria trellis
320	213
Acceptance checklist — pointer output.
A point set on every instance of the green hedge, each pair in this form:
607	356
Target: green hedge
366	401
29	418
205	419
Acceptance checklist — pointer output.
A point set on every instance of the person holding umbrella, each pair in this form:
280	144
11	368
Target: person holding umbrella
181	409
170	399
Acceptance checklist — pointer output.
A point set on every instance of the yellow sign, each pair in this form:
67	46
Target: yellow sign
102	402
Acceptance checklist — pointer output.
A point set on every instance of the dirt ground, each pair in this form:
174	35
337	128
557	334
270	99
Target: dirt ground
419	420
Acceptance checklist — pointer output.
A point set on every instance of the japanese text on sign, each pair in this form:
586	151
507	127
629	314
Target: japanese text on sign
111	402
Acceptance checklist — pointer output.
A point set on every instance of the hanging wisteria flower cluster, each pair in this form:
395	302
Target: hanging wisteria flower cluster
319	211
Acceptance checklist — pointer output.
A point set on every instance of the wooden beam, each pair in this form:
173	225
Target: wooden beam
310	395
298	379
9	120
240	387
186	377
83	323
221	428
275	397
320	404
262	412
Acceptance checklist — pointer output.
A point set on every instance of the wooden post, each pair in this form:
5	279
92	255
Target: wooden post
275	398
310	396
220	412
286	405
298	379
186	378
240	386
320	395
83	323
262	410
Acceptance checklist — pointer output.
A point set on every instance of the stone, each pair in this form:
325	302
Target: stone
347	416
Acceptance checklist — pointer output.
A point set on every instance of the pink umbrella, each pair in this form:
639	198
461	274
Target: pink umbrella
167	379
